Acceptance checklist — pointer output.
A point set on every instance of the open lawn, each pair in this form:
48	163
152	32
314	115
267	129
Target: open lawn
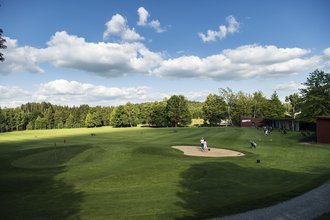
133	173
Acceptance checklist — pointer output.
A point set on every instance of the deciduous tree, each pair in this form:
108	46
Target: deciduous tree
316	95
119	117
158	116
177	111
274	108
214	109
295	104
40	123
259	104
230	99
132	113
2	121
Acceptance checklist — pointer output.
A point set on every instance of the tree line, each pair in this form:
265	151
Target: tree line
172	112
313	100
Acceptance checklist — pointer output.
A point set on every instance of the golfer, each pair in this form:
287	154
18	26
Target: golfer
202	143
205	146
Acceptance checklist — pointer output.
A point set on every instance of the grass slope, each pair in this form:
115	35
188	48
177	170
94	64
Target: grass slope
133	173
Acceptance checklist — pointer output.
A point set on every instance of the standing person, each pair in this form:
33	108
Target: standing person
266	131
205	146
202	143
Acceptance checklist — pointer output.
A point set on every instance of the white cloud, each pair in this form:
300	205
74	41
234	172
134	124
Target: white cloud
117	26
69	51
108	59
231	28
289	86
250	61
64	92
326	59
9	92
143	20
327	52
104	59
155	24
233	25
143	16
19	59
199	96
12	96
75	93
181	67
71	93
255	54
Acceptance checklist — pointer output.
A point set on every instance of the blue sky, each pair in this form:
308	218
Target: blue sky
113	52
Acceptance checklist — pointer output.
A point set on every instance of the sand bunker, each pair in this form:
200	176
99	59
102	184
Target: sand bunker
214	152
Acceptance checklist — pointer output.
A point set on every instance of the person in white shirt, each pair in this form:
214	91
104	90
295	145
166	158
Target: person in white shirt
202	143
205	146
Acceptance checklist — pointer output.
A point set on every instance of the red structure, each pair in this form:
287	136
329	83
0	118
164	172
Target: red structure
251	122
323	129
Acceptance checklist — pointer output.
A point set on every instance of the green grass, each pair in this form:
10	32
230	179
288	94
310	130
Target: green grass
133	173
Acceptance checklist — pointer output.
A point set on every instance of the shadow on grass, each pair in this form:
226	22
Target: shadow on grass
214	189
36	193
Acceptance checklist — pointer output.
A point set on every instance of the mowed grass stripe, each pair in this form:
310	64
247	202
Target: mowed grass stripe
133	173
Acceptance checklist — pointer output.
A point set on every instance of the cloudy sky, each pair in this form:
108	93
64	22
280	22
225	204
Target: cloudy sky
110	52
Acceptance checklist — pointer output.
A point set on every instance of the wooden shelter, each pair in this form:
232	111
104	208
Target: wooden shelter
251	122
288	124
323	129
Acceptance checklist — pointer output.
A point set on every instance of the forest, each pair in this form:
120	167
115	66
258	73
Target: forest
313	100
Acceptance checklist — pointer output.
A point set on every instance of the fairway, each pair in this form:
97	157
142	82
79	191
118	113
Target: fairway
134	173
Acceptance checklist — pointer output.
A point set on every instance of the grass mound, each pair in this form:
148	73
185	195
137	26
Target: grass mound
48	159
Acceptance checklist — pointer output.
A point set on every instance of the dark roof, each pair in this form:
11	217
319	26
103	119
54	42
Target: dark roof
280	119
323	117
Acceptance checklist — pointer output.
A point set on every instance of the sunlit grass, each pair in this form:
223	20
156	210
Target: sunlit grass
134	173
